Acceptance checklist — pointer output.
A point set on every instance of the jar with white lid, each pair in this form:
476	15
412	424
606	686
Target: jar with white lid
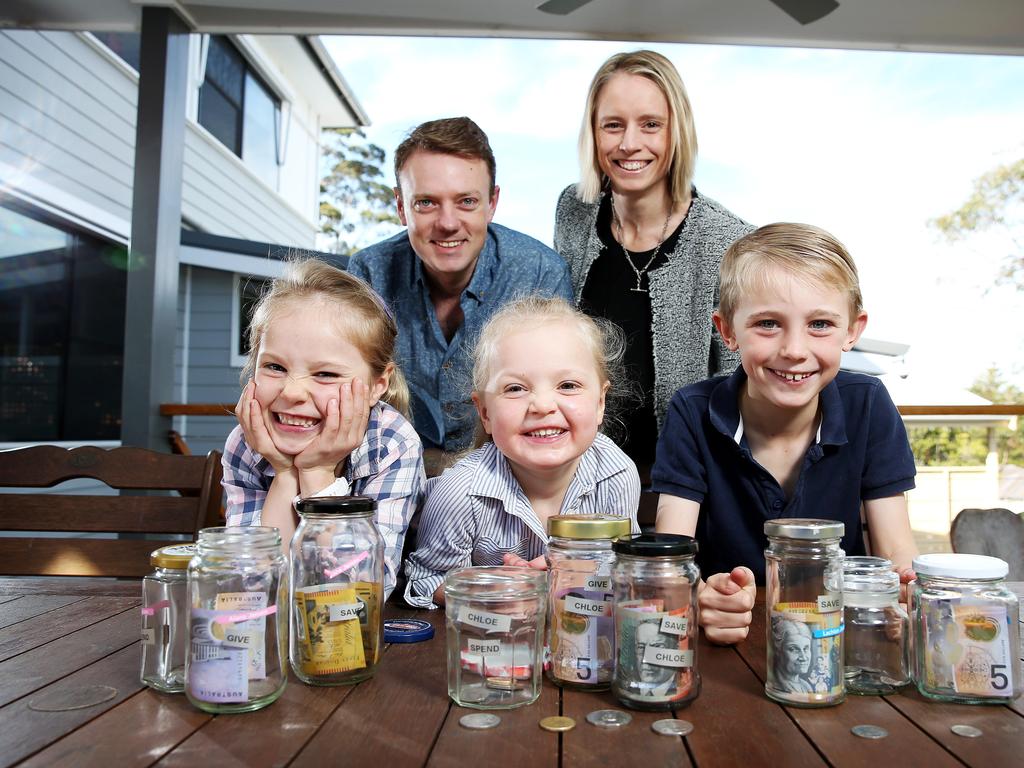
876	627
804	602
165	619
495	630
581	621
966	629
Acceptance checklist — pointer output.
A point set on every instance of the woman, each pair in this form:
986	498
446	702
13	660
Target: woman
791	644
643	246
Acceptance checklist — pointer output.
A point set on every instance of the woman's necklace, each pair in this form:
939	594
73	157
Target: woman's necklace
629	258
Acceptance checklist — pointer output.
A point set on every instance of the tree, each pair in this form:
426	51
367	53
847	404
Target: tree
997	202
356	205
960	446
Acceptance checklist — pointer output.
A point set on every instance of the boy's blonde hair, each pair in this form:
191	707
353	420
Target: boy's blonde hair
367	322
682	134
803	250
603	339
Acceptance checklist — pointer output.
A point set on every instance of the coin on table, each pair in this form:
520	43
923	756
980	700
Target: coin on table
557	724
869	731
609	718
480	721
670	727
968	731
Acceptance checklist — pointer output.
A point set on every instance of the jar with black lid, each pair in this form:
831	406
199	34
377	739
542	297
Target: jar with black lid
337	590
655	580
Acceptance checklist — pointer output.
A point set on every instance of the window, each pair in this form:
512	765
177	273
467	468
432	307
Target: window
247	291
237	107
124	44
62	297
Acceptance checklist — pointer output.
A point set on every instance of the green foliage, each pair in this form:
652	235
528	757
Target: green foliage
952	446
356	204
997	201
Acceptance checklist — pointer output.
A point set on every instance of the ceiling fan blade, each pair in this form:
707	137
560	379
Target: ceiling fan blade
561	7
807	11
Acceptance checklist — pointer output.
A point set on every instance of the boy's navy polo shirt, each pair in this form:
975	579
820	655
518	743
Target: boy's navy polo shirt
861	453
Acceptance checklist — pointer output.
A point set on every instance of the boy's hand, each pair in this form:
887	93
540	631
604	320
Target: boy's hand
907	575
343	430
249	413
514	560
725	605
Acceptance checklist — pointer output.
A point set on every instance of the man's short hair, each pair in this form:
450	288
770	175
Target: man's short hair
803	250
457	136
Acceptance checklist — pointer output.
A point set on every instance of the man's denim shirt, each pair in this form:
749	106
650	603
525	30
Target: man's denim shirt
439	373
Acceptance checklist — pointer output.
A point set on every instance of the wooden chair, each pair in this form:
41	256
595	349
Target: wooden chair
195	478
996	532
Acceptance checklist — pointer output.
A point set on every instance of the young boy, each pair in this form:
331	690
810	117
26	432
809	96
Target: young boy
787	434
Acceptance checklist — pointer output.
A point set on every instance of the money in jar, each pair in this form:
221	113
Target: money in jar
655	582
337	590
238	638
966	629
804	602
581	623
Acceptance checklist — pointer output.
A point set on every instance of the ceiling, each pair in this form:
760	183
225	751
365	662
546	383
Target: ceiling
966	26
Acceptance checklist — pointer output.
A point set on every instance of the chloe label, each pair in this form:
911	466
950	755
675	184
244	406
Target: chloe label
492	622
674	625
599	584
484	647
666	657
830	603
584	607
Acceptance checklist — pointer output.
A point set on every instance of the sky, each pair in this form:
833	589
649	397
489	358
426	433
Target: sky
869	145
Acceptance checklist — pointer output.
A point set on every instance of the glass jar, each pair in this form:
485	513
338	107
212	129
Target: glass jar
337	591
236	582
966	629
495	624
655	582
876	627
804	605
165	619
581	620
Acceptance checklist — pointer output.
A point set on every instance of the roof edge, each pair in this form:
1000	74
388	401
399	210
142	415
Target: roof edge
330	70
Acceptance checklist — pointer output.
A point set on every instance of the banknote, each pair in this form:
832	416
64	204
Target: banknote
967	649
655	660
805	650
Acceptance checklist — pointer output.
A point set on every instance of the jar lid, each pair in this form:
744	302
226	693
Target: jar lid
175	557
588	526
799	528
336	505
407	630
961	566
655	545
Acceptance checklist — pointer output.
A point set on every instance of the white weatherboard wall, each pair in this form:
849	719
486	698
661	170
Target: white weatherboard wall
67	143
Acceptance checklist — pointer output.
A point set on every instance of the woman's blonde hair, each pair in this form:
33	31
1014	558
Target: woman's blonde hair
602	338
682	134
368	323
803	250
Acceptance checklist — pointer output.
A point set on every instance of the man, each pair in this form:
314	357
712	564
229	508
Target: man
450	271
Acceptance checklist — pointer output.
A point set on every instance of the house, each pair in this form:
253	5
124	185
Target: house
255	108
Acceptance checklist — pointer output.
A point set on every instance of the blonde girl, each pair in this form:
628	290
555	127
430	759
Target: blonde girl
542	375
322	408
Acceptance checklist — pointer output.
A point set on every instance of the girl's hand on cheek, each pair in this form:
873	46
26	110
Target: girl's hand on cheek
250	415
343	430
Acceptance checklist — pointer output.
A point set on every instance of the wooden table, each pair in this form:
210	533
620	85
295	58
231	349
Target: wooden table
58	636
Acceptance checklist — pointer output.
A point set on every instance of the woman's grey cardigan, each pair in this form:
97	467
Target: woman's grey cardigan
684	291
